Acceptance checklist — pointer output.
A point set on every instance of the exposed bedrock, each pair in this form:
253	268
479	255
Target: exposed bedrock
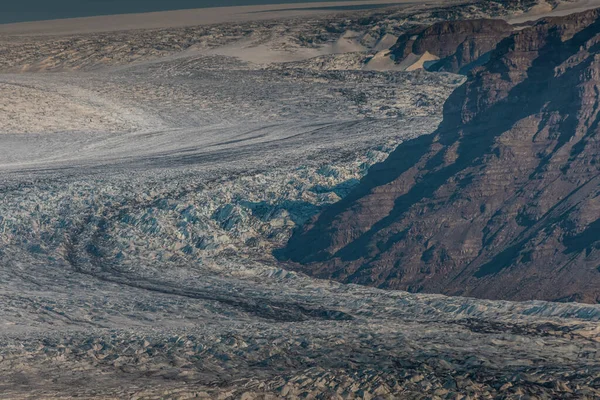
502	201
459	45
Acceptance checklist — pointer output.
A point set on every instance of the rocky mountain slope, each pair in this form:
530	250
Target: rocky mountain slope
456	44
502	201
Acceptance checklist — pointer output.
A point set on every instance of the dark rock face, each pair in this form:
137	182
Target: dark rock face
502	201
458	44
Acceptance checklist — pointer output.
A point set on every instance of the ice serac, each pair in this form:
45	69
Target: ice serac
502	201
460	45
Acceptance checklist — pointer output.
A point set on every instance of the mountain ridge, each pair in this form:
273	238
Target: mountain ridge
502	201
457	43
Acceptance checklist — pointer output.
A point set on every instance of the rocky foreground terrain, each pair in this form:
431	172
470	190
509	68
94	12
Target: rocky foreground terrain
148	176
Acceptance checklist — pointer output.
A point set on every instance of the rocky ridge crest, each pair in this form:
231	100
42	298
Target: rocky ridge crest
458	44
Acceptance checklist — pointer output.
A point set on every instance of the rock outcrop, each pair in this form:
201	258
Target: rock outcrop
502	201
460	45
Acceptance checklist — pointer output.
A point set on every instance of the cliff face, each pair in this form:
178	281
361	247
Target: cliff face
458	44
502	201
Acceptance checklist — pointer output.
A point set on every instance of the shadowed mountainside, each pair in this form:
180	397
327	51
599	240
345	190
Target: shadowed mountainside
502	201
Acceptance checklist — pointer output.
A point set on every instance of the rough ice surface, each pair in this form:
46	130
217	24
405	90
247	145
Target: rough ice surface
140	206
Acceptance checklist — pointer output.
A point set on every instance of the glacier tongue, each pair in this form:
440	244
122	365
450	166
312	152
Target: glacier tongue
136	254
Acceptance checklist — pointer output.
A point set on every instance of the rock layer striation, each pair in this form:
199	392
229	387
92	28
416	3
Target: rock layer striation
502	201
460	45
